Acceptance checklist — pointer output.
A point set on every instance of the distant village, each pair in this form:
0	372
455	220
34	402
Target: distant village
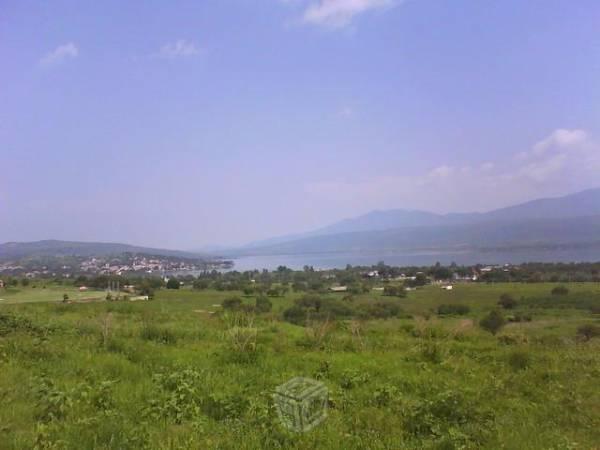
120	265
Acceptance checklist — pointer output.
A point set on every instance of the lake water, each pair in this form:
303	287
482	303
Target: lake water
340	260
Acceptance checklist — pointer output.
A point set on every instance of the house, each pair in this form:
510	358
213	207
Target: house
448	288
83	288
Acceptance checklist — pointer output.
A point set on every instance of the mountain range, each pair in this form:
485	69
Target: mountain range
54	248
572	220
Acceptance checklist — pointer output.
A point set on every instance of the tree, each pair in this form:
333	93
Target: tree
493	322
173	283
65	297
24	282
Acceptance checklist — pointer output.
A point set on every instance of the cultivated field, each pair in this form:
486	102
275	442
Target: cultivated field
177	372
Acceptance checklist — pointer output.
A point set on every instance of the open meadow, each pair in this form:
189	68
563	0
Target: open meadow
180	372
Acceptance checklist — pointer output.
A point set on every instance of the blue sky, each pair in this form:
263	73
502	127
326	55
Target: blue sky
192	123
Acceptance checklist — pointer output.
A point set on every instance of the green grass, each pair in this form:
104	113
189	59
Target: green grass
45	292
163	374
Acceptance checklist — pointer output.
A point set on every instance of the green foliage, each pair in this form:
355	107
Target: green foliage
263	304
450	417
493	322
179	396
161	335
200	284
519	360
588	331
232	303
560	290
173	283
398	383
452	309
52	402
394	291
507	301
379	310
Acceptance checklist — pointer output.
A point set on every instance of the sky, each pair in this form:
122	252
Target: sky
189	124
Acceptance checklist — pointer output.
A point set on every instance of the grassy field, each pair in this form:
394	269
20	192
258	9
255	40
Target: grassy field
48	292
168	374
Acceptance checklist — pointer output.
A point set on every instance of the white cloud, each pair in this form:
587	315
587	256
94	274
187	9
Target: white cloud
561	138
569	162
180	48
60	54
339	13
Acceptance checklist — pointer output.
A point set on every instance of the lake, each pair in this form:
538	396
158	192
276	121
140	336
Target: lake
422	258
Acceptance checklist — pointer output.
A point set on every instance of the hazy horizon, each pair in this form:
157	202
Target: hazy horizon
194	124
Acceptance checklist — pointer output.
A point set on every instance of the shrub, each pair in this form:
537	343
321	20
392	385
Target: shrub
179	396
273	292
394	291
160	335
173	283
432	352
507	301
453	309
232	303
295	314
493	322
200	284
263	304
379	310
588	331
519	318
560	290
519	360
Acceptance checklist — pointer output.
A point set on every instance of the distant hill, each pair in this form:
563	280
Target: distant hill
569	220
54	248
586	203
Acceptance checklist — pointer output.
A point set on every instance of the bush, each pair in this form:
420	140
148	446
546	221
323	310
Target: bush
493	322
173	283
460	310
588	331
507	301
160	335
232	303
519	318
394	291
519	360
379	310
200	284
560	290
295	314
263	304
